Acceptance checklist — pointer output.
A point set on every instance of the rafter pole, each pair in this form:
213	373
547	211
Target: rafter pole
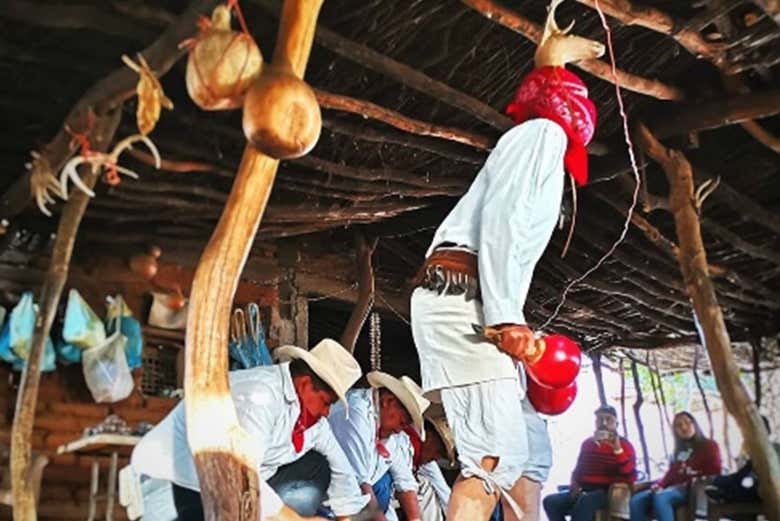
632	13
104	95
602	70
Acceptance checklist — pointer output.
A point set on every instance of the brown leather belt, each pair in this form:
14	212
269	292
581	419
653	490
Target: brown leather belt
450	272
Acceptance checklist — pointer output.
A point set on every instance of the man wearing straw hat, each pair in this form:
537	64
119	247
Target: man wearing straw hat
373	439
283	408
433	493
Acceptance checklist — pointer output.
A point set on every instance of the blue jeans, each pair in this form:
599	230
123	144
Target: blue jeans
582	507
302	485
659	505
383	490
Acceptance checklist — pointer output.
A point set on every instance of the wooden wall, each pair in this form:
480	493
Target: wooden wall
65	409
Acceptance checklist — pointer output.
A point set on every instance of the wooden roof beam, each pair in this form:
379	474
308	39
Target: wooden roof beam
106	94
632	13
602	70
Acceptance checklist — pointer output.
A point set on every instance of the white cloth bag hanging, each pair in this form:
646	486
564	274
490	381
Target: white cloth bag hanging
160	315
106	371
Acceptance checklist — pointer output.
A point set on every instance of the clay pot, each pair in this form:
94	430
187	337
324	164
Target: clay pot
222	64
281	115
145	265
559	363
551	401
176	300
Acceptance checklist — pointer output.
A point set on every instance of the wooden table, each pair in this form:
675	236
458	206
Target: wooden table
96	446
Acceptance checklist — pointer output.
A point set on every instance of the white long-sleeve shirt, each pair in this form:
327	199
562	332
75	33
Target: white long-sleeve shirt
508	215
357	435
267	407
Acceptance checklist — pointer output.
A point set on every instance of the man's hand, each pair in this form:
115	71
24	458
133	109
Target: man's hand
515	340
655	487
575	489
614	440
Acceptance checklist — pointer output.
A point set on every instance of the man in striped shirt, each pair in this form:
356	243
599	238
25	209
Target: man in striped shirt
605	458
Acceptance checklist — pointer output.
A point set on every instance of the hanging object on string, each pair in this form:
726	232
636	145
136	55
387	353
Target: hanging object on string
634	168
222	63
151	97
375	341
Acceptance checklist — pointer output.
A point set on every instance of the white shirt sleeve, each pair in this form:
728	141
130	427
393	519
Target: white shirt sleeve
401	455
524	179
344	495
432	473
356	435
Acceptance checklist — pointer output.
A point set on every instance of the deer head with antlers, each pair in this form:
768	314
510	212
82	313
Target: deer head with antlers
557	47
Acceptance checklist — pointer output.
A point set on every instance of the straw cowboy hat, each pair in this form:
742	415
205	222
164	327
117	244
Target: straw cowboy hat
435	416
407	391
330	361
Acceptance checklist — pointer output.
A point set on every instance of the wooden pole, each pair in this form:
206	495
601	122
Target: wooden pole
755	347
596	358
638	417
704	400
366	291
712	327
24	504
623	397
657	398
224	456
662	393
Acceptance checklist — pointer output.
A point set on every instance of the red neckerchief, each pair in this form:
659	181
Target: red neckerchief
381	449
416	445
304	421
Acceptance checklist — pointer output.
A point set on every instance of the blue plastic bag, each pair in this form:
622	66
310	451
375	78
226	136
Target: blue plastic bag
247	347
130	328
6	353
260	355
82	327
49	362
67	353
21	324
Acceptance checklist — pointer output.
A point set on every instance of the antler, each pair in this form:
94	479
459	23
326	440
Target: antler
557	47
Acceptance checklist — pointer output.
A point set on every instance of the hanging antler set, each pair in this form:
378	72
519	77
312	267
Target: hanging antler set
43	182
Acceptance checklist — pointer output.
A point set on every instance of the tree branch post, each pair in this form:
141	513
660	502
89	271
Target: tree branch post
638	417
224	456
24	503
364	250
709	318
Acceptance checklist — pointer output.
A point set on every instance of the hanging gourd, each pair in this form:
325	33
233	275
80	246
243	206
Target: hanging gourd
281	115
222	63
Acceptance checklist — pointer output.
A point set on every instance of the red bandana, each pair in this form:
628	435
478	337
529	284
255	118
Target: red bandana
416	445
558	94
304	421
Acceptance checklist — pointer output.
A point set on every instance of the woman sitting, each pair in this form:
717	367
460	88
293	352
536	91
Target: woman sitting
694	456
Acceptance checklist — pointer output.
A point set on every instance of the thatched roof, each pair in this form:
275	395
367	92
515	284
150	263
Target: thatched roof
443	63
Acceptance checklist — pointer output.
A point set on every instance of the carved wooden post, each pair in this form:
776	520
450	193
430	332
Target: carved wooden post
23	494
712	328
223	455
638	417
366	289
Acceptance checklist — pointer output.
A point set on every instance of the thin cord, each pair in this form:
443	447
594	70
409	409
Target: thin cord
634	168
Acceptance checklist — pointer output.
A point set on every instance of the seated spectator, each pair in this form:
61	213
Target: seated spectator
742	485
605	458
694	456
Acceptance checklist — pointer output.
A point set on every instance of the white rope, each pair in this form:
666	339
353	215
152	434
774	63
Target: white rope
634	168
